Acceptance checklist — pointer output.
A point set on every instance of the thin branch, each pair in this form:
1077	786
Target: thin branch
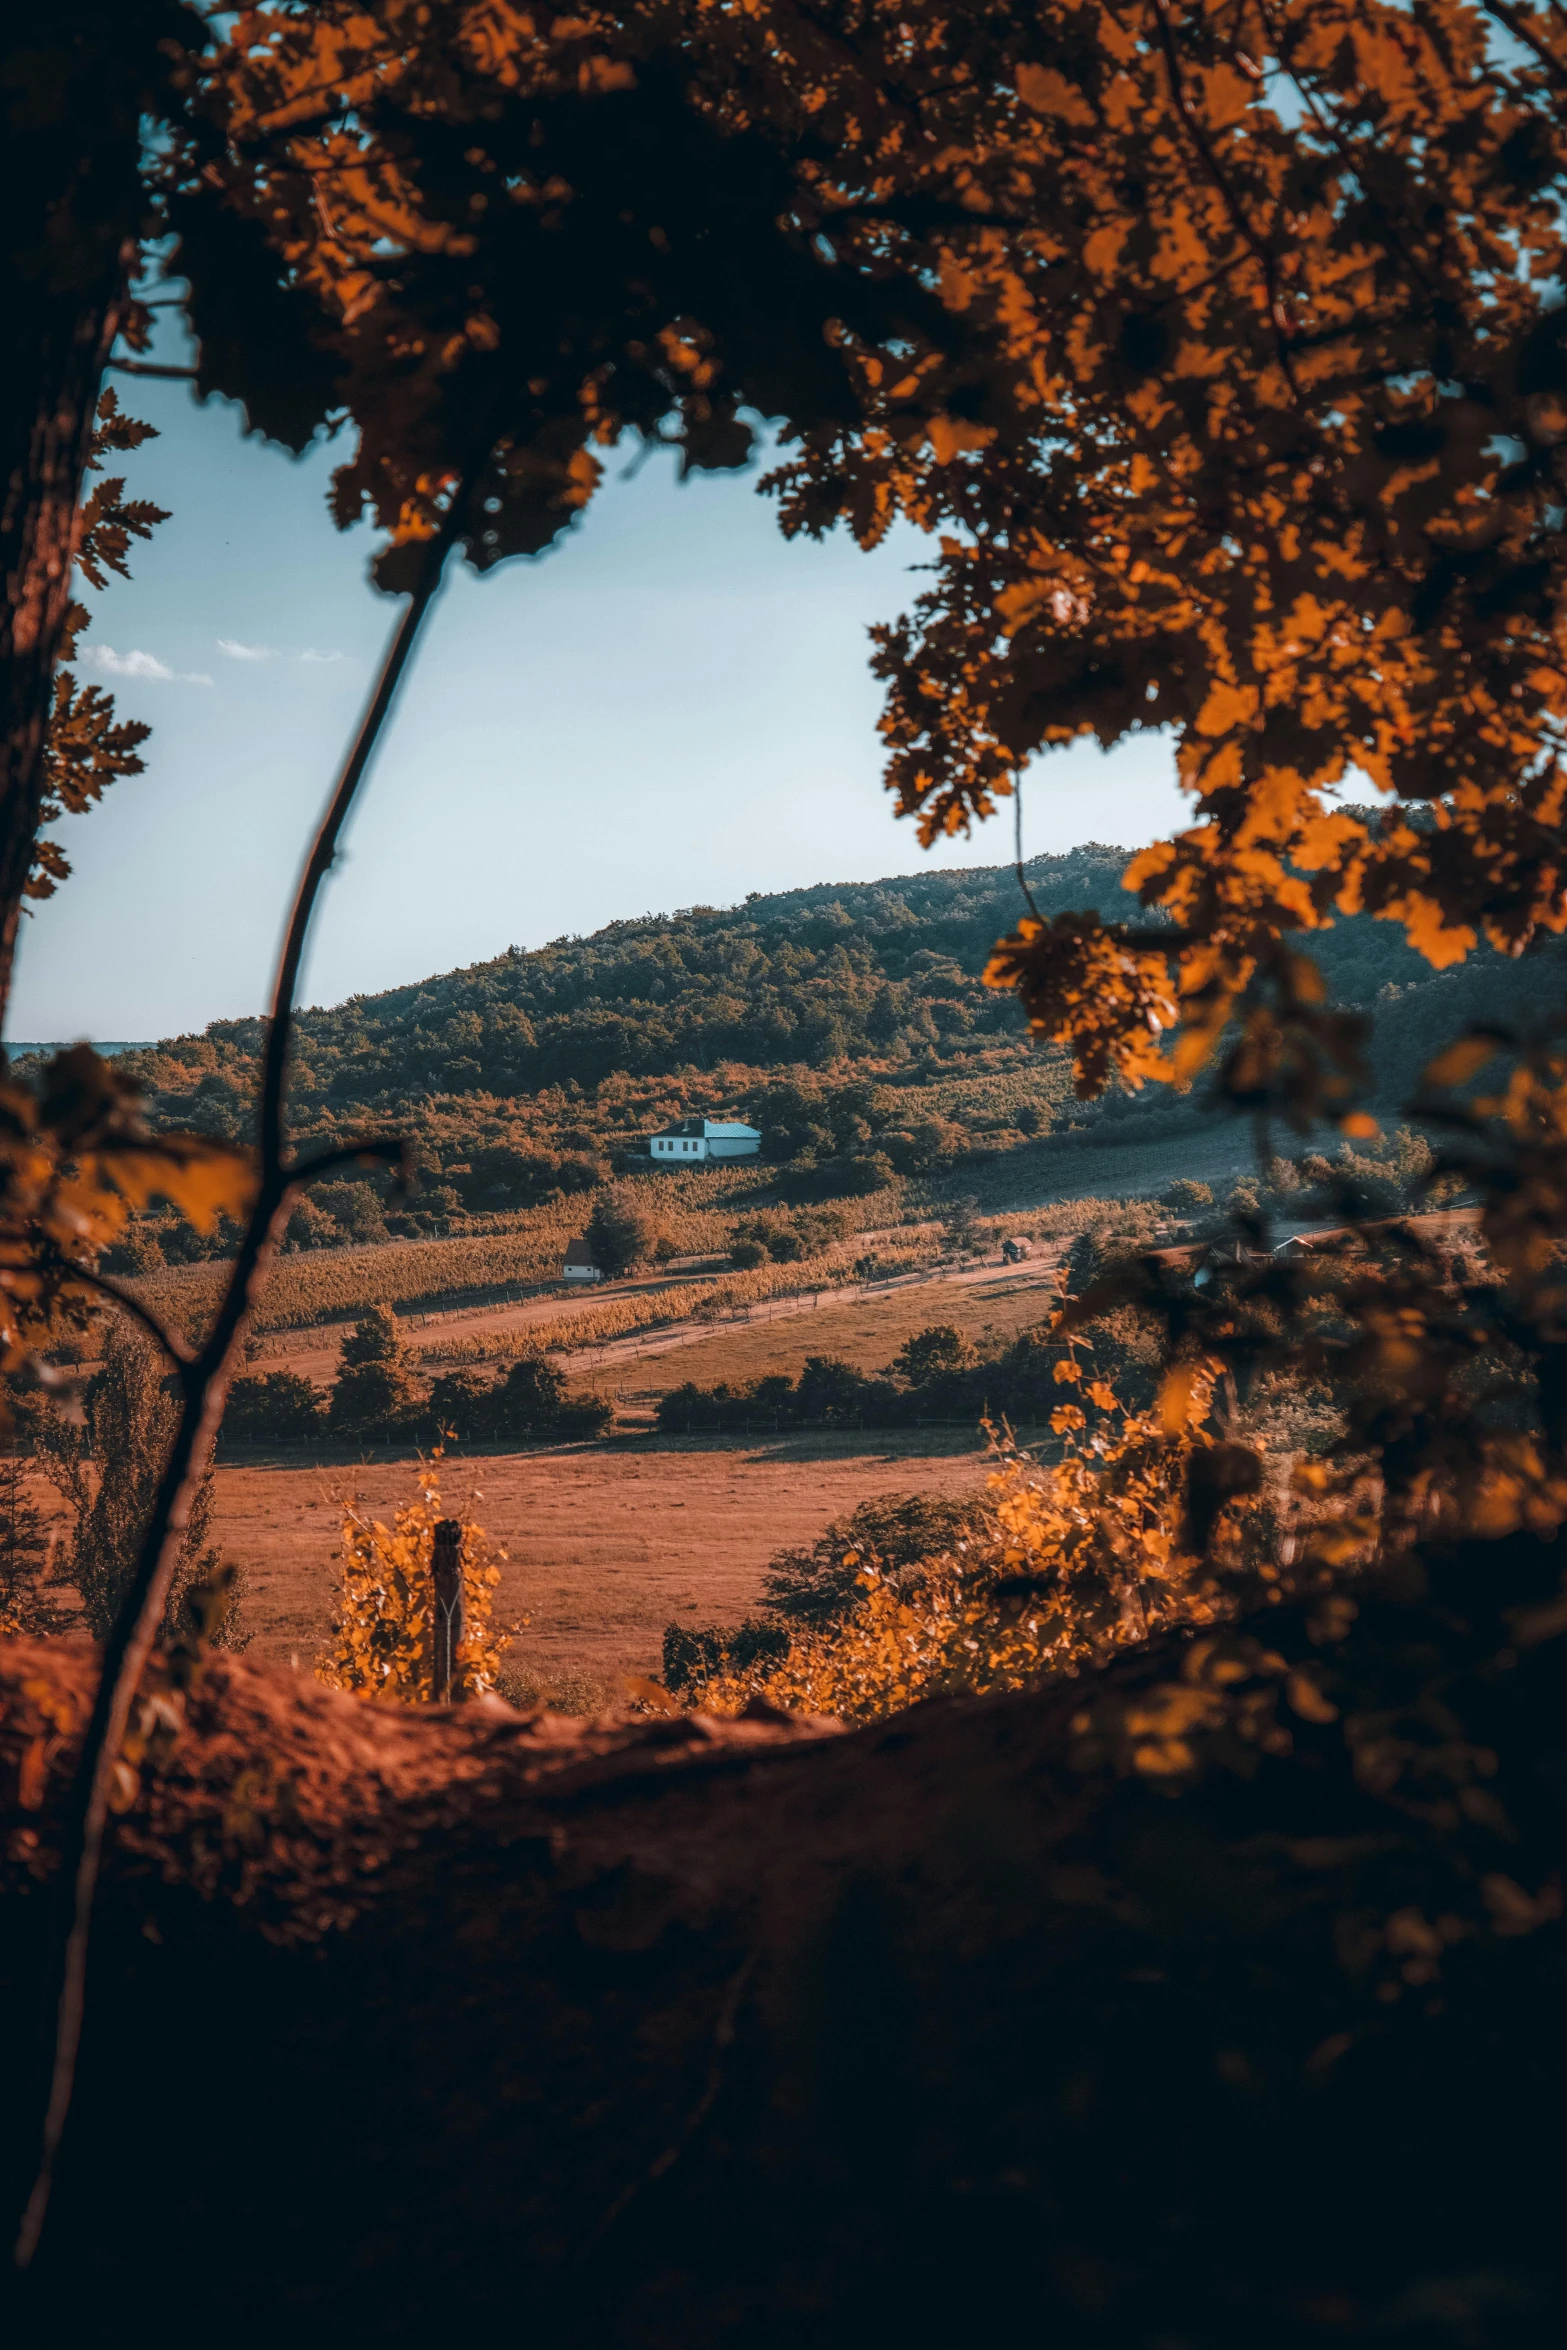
1017	846
390	1149
135	1629
172	1344
146	367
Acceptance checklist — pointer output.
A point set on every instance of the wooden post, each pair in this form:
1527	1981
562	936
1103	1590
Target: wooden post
446	1571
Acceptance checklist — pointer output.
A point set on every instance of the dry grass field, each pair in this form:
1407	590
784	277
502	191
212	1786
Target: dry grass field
606	1544
987	1305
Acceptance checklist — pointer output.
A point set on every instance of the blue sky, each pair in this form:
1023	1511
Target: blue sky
673	707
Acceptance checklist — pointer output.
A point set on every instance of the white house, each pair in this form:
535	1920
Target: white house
579	1265
704	1138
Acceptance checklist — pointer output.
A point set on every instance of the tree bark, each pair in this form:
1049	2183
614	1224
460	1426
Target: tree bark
78	79
1211	2000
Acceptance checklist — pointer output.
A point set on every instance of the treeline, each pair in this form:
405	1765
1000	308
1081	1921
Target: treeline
936	1375
379	1397
847	1021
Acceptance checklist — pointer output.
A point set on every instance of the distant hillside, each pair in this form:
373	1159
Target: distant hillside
848	1019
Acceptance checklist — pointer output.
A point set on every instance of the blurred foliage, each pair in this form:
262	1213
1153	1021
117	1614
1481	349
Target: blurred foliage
107	1464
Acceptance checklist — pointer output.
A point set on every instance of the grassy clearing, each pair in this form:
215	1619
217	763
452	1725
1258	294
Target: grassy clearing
605	1544
592	1326
865	1332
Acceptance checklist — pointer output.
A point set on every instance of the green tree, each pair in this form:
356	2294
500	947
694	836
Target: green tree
931	1354
374	1393
1186	1198
620	1232
272	1407
964	1232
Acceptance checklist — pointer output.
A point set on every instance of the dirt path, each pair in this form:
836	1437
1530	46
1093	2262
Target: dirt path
606	1544
315	1352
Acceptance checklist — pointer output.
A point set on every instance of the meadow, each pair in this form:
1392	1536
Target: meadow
605	1544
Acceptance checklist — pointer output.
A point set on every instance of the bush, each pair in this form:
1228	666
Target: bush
690	1658
385	1597
892	1532
375	1338
138	1250
932	1353
277	1407
533	1400
747	1254
1186	1198
462	1406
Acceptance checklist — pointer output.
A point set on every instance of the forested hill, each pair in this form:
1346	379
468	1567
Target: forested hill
857	970
576	1049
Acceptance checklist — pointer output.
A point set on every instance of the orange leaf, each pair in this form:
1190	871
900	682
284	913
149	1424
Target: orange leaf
1461	1061
204	1180
1177	1397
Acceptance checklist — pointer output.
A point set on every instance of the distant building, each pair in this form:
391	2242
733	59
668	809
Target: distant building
1014	1251
579	1265
705	1138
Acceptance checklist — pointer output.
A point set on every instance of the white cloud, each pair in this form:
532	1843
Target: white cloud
238	652
310	654
137	664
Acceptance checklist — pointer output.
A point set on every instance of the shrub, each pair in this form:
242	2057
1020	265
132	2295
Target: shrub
1075	1560
747	1254
274	1407
932	1353
897	1530
375	1338
1186	1198
693	1658
461	1405
383	1632
533	1400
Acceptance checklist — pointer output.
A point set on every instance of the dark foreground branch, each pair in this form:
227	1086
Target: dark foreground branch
205	1381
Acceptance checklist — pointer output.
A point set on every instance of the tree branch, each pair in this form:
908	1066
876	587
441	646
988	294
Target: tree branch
173	1346
146	367
391	1150
206	1388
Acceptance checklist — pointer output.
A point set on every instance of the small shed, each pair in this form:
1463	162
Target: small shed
579	1265
1014	1250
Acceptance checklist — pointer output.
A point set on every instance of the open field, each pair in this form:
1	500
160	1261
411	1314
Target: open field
864	1327
606	1544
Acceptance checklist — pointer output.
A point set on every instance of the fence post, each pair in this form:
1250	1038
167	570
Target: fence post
446	1573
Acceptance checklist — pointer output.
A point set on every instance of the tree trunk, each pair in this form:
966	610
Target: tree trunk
77	77
1214	2000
